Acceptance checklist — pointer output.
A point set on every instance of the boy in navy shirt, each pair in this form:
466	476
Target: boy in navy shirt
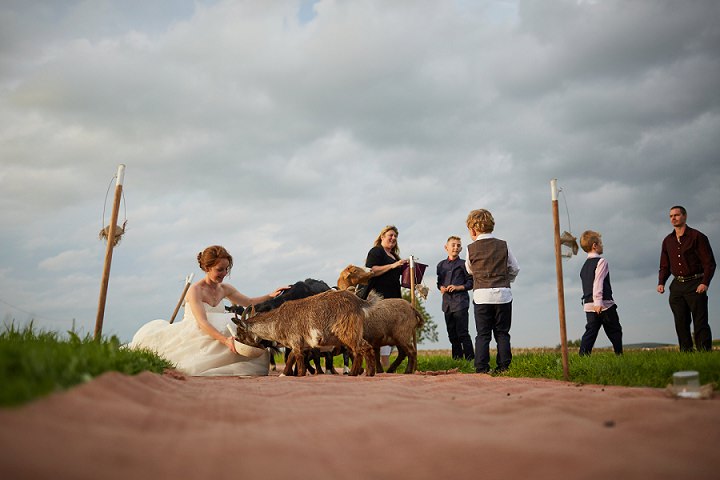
598	304
454	282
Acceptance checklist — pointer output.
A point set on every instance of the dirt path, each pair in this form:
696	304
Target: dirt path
337	427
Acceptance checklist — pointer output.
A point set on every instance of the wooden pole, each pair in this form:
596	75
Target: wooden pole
560	284
109	252
412	281
188	282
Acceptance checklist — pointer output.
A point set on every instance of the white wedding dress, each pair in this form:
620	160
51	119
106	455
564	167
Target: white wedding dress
193	351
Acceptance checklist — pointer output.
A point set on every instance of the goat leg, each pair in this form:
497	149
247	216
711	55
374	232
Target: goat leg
329	367
370	363
315	356
401	356
346	360
299	361
378	363
412	359
289	363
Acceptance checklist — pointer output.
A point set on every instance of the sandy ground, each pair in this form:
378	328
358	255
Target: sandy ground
337	427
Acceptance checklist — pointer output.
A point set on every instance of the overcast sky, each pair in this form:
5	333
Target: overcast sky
291	132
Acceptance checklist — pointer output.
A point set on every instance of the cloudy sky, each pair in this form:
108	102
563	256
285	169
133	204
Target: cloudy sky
292	131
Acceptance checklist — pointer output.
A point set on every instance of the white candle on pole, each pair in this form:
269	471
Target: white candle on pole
120	175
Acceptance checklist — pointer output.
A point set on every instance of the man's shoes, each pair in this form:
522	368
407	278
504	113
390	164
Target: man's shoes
482	370
499	370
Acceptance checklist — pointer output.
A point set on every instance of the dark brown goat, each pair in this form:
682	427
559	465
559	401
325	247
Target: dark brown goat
329	319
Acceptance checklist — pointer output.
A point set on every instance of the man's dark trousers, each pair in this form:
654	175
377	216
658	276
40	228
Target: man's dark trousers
688	307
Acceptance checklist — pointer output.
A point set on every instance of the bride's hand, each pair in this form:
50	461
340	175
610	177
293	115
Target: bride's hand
279	291
230	343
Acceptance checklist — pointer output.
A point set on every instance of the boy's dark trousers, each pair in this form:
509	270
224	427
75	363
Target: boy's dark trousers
460	341
492	319
689	306
610	322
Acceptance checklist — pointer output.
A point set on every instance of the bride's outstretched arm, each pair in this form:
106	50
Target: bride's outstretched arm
232	294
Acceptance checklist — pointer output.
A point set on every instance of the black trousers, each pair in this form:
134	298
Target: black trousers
610	322
688	307
492	320
458	334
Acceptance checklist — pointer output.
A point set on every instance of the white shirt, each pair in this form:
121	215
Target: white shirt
494	295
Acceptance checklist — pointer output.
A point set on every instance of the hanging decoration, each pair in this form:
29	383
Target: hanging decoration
568	242
119	229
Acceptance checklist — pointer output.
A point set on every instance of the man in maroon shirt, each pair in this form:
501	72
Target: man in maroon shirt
687	255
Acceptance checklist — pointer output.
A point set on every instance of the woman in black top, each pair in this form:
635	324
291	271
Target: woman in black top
385	262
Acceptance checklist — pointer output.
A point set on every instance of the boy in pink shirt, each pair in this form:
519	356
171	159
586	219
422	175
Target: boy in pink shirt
600	308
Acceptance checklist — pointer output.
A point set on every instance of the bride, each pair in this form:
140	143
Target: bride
201	344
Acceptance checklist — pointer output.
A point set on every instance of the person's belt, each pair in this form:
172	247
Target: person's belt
687	279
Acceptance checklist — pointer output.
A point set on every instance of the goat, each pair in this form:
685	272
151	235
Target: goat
393	321
297	291
353	275
328	319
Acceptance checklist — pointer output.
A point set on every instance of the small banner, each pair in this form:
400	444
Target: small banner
419	271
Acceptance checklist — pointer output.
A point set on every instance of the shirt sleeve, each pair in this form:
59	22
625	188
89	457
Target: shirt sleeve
438	273
513	267
373	259
468	281
707	259
664	272
601	271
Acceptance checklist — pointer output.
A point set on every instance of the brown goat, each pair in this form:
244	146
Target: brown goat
393	321
329	319
353	275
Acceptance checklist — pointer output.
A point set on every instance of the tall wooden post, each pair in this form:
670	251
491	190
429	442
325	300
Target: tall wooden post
188	282
412	281
108	252
560	283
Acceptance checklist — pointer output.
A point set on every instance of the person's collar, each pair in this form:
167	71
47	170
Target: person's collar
593	254
483	236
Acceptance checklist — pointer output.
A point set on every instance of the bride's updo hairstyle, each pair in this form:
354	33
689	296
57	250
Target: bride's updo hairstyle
211	255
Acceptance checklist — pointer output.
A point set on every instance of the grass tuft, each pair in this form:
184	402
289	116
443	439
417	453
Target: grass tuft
36	363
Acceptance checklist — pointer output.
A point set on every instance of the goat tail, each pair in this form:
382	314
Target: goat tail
418	326
419	318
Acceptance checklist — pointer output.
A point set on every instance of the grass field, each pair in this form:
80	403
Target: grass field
36	363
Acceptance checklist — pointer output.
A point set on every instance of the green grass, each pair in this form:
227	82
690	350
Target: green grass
36	363
635	368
